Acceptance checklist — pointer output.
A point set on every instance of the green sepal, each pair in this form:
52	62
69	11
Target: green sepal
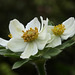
19	63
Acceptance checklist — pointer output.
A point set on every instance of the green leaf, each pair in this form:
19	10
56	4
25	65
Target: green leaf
50	23
46	56
50	52
2	47
7	52
47	53
19	63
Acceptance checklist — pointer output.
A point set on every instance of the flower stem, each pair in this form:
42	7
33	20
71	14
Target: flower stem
40	66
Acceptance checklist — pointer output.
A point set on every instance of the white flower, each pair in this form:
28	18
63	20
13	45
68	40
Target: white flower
27	40
61	32
3	42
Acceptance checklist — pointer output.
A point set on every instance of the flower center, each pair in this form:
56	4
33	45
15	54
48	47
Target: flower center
30	35
58	29
10	36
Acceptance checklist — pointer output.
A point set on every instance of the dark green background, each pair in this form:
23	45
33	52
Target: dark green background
25	10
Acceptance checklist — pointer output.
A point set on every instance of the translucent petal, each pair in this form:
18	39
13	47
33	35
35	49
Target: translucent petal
55	41
69	32
16	28
68	22
33	23
41	43
31	49
43	32
3	42
16	45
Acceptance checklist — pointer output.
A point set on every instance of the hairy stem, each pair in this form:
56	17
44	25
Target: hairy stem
40	66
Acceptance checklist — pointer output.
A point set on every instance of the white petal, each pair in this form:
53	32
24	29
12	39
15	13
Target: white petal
41	22
68	22
16	45
43	32
33	23
41	43
55	41
45	21
16	28
31	49
49	29
69	32
51	39
3	42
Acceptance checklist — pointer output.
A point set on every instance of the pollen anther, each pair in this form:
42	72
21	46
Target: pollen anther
30	35
10	36
58	29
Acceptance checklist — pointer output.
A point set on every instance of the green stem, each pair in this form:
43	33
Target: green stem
40	66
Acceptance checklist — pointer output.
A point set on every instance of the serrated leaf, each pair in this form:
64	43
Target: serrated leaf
19	63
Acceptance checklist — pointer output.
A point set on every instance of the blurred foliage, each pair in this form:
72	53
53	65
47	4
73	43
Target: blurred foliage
6	70
25	10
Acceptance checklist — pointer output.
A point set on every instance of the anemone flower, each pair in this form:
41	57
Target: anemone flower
27	40
61	32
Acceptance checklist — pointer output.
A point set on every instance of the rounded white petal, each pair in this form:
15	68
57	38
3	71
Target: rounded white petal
41	43
69	32
31	49
16	28
55	41
32	24
16	45
3	42
68	22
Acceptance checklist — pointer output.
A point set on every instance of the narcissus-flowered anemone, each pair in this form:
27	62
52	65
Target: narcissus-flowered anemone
61	32
27	40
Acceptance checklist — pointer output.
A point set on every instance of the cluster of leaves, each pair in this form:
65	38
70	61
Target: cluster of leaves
47	53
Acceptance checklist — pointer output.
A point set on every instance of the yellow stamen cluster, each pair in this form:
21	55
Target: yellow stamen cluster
58	29
30	35
10	36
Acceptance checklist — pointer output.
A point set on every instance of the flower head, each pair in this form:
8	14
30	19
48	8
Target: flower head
61	32
30	35
58	29
27	40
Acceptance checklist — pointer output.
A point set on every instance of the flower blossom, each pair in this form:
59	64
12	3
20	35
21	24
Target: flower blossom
61	32
27	40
